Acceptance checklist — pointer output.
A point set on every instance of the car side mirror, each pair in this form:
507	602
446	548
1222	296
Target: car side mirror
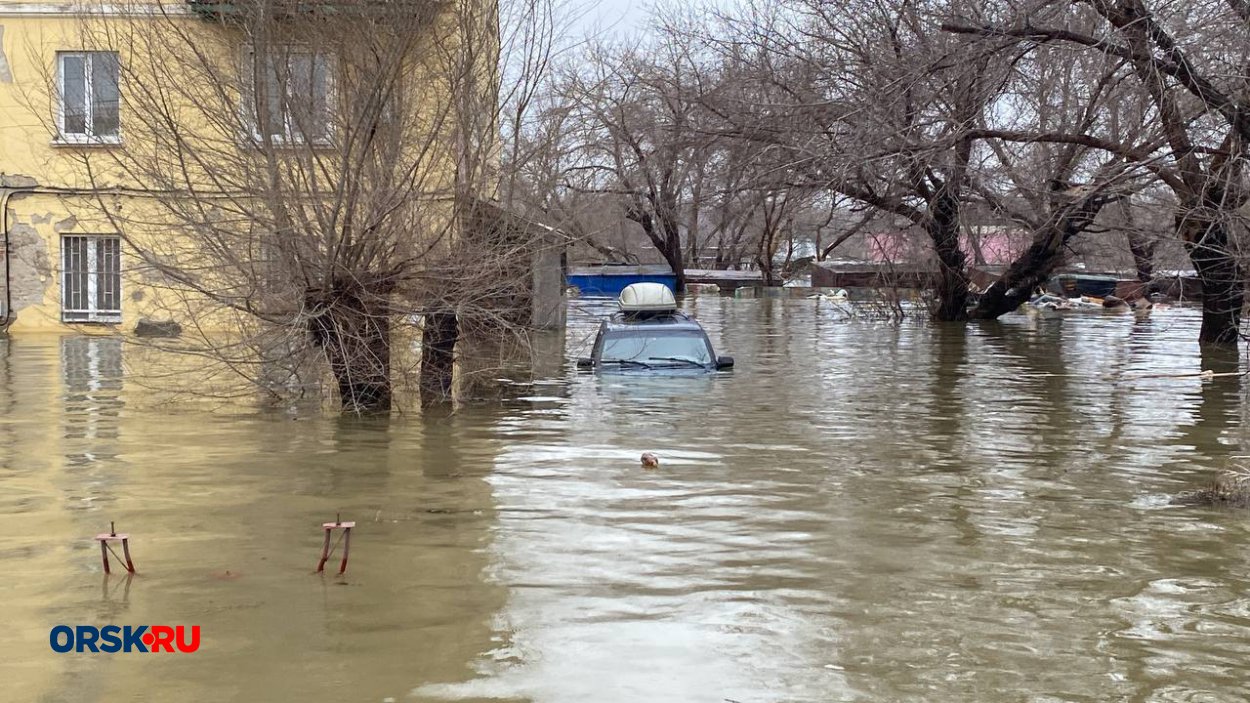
724	362
585	362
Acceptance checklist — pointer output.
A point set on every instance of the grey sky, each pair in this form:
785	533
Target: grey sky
614	16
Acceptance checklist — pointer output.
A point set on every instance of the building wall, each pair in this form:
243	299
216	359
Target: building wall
37	222
47	193
35	225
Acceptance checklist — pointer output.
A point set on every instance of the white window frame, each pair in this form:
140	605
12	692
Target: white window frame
63	137
251	112
92	313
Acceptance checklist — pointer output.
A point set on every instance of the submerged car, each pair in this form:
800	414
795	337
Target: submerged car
649	334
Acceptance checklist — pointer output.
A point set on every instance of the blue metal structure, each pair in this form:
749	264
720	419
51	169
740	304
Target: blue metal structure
610	280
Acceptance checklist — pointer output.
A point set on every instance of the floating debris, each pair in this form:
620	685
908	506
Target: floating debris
1231	489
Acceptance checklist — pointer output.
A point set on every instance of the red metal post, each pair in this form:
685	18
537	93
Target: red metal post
130	565
325	551
111	536
347	548
329	528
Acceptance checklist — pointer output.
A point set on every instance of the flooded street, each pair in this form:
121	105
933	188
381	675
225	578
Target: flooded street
856	512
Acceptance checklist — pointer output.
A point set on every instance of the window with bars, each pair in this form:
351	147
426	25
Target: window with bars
91	278
90	102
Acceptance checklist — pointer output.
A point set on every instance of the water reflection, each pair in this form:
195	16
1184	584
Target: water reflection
91	375
857	512
225	512
1219	401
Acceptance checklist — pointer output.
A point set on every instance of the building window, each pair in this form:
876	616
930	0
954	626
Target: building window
91	279
90	99
290	97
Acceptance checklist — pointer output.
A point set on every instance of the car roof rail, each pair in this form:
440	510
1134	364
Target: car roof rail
650	316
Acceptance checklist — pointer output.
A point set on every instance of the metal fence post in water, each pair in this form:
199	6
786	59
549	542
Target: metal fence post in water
104	538
346	537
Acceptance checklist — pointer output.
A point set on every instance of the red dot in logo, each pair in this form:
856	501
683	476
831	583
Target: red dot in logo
148	639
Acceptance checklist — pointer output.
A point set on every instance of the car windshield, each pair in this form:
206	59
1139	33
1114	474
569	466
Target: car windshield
656	348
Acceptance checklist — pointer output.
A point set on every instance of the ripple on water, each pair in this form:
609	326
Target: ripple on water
856	512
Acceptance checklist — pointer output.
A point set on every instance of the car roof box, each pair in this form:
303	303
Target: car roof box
647	298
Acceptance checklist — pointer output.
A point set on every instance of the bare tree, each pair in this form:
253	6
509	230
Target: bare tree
639	114
1054	191
873	103
943	115
636	133
1188	59
312	179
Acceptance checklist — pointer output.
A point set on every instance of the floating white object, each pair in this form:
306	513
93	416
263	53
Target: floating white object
647	297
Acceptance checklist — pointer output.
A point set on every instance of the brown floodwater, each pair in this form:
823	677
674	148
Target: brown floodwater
857	512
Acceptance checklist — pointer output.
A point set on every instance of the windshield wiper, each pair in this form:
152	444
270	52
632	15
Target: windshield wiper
626	362
683	359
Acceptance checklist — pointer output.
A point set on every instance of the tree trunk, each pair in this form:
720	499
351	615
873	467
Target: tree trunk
1033	267
1018	282
355	335
668	242
952	278
675	262
1223	289
1140	245
438	346
764	259
1143	256
974	243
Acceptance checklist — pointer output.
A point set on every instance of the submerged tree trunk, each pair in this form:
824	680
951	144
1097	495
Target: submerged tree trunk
438	347
952	278
354	331
1207	241
1018	282
1032	268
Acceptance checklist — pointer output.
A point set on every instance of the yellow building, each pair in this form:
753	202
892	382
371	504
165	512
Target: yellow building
64	263
57	267
137	136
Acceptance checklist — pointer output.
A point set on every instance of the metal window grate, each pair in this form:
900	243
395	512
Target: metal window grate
91	280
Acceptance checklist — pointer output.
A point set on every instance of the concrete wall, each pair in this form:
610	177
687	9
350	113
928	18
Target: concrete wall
548	289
